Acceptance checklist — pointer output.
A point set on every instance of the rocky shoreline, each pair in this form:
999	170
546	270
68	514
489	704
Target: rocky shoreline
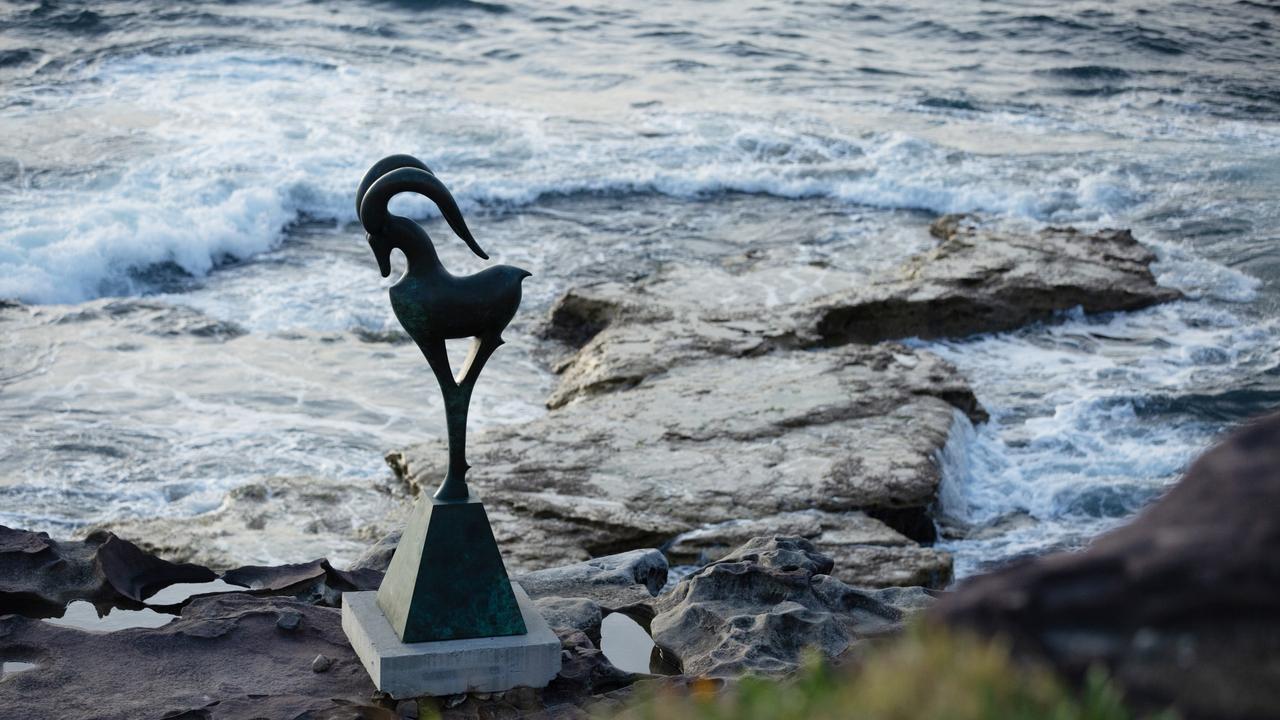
689	417
1177	606
789	451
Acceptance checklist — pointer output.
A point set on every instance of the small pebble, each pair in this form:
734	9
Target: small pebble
320	664
289	620
454	701
408	709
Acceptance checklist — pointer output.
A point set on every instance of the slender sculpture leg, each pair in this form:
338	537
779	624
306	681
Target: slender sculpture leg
457	401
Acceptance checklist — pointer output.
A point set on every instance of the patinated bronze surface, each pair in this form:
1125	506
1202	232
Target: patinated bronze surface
446	580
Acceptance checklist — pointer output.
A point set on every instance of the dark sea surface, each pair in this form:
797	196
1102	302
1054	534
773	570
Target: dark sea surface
204	155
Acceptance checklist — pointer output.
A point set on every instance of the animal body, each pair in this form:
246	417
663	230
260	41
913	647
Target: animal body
433	304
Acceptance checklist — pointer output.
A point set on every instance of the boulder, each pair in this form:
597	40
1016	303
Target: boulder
759	608
1180	604
614	582
978	281
573	613
844	431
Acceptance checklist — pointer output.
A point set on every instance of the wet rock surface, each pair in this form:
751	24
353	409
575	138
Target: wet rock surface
40	575
275	649
274	517
153	318
226	657
976	280
692	413
757	609
1180	605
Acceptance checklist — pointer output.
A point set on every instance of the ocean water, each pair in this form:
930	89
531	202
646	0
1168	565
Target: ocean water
172	171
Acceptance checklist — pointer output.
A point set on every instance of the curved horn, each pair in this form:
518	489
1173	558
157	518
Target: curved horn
373	208
382	167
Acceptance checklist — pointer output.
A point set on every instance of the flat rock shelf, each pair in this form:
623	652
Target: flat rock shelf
691	414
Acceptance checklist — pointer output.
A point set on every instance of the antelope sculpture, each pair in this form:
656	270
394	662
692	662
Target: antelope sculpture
431	303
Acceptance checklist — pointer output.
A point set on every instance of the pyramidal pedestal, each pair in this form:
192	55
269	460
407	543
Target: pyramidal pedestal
446	618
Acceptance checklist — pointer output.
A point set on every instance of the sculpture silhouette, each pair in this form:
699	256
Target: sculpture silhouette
432	304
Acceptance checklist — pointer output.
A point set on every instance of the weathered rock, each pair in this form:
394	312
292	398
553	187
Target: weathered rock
760	607
584	670
378	556
709	442
1180	605
863	547
154	318
40	575
582	312
294	631
622	356
977	281
316	582
272	519
974	281
225	658
576	613
613	581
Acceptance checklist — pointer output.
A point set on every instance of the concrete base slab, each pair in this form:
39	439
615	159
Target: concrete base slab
448	667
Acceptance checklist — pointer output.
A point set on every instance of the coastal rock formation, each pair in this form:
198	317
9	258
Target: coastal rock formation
864	548
273	518
976	281
1180	605
706	443
614	582
40	575
252	653
228	656
757	609
151	317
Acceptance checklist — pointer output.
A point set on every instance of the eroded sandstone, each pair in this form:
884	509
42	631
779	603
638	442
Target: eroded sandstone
711	442
759	608
978	281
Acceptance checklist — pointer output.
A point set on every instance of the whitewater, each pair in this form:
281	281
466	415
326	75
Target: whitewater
204	156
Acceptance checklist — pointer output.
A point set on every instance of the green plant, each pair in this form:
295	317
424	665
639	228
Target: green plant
927	674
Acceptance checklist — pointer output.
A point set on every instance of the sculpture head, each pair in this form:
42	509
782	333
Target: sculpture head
390	177
382	247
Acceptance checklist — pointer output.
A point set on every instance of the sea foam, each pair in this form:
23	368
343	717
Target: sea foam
211	157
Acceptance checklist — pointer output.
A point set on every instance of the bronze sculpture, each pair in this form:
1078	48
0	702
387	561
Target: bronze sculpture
432	304
446	580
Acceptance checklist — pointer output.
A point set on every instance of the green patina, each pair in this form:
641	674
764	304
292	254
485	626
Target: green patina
447	580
